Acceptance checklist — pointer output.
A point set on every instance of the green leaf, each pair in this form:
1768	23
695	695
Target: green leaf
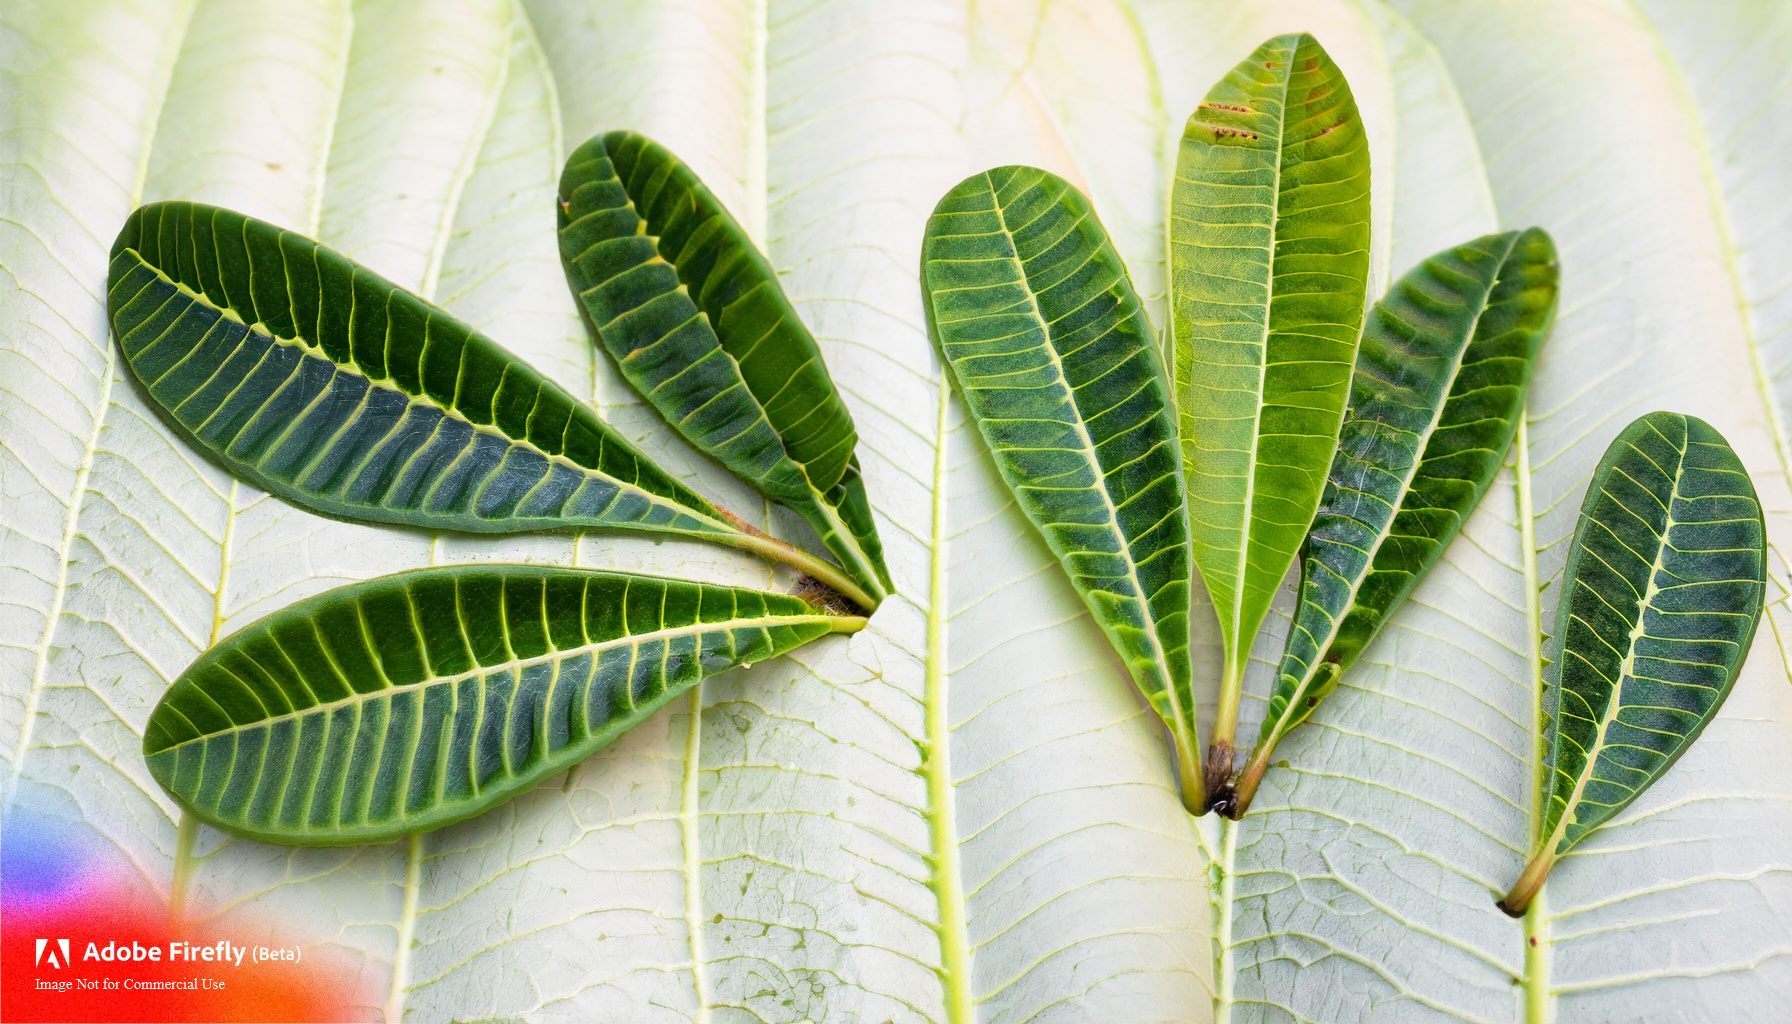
328	385
1661	597
1269	261
1430	748
1054	355
695	318
410	701
1435	398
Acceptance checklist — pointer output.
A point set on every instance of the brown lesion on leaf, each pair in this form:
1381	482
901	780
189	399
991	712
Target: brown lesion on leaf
1223	132
1227	106
821	595
1221	796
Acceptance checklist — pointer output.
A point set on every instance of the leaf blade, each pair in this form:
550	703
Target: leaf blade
567	668
1661	597
695	318
1440	379
1709	499
994	259
322	382
1273	174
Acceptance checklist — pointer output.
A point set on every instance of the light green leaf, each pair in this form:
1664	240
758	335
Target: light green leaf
1269	260
1435	398
696	320
413	701
1661	597
1054	355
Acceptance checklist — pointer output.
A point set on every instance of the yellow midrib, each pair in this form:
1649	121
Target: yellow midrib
1240	651
1615	704
514	665
946	877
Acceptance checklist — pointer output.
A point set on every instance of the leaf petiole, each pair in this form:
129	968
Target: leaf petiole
848	546
1529	883
1191	778
1221	747
751	539
1238	799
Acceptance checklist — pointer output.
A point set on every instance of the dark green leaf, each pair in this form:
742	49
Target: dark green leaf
411	701
1435	398
321	382
1269	261
1660	600
1056	359
694	316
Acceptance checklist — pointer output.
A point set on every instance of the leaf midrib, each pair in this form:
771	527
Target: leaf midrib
946	877
90	449
1241	645
1614	701
510	665
1726	232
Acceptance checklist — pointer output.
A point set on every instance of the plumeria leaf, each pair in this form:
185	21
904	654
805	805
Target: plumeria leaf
1662	594
336	389
695	318
1269	261
407	702
1054	355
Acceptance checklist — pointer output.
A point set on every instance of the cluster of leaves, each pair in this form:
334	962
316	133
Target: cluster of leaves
1278	424
408	702
1307	431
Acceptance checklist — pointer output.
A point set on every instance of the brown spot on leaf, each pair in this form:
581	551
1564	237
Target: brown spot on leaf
1221	131
1220	795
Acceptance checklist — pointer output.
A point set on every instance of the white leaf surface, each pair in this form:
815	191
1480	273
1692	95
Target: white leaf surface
963	813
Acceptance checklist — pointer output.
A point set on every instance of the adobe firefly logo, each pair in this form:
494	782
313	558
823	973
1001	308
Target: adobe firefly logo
53	953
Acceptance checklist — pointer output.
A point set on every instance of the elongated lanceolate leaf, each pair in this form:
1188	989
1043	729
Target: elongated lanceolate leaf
1660	599
414	700
694	316
1269	259
324	383
1435	398
1055	357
